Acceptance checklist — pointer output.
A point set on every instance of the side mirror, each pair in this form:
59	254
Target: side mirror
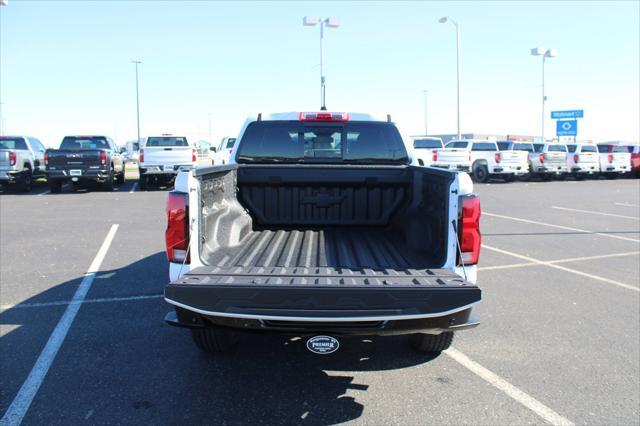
212	148
123	150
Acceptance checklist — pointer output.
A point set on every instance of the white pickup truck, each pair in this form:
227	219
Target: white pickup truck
487	161
614	160
548	160
320	226
425	150
21	161
162	157
582	160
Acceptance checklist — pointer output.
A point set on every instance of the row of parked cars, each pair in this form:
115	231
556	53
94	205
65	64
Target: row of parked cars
98	159
508	160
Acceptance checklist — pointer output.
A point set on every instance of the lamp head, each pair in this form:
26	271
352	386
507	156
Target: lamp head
443	20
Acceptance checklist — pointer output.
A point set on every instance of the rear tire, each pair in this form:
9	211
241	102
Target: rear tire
510	178
27	181
579	176
108	184
214	339
55	186
480	173
611	176
431	343
547	177
143	183
120	179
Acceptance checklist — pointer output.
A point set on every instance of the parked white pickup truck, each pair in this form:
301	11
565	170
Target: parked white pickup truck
162	157
21	161
614	160
548	160
319	225
487	161
425	150
582	160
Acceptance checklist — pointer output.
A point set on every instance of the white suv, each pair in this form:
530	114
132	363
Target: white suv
582	160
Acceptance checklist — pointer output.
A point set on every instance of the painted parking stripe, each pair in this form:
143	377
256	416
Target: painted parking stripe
568	228
597	213
133	187
626	205
69	302
18	408
546	413
562	268
572	259
48	191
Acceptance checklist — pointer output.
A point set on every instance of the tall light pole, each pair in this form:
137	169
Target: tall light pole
136	62
210	137
426	133
442	21
311	21
545	53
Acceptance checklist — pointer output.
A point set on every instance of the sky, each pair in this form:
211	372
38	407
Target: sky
65	66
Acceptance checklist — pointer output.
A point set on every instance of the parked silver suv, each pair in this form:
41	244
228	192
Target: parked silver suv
21	161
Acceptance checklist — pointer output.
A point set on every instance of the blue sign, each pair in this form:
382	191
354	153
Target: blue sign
576	113
566	127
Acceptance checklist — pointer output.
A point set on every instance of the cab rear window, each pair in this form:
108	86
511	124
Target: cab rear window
484	146
427	143
166	141
557	148
523	147
13	143
588	148
84	142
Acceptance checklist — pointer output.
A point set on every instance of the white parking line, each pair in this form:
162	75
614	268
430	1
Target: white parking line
133	188
44	193
626	205
546	413
572	259
568	228
562	268
69	302
20	404
598	213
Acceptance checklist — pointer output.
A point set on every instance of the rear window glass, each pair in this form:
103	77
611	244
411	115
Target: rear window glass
13	143
231	142
557	148
572	148
427	143
588	148
620	149
166	141
504	146
320	142
538	147
84	142
484	146
523	147
604	148
457	144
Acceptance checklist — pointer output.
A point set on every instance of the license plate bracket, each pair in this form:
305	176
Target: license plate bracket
75	172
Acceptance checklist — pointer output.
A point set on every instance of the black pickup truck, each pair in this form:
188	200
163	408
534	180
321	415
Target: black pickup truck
82	159
320	226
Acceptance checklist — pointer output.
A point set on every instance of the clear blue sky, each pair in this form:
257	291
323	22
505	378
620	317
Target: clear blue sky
65	66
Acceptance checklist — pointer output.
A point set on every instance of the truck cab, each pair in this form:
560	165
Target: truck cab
320	225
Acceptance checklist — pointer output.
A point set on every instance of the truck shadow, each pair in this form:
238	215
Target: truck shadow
149	372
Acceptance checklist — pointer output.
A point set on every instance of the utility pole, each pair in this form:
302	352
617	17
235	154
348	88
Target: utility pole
426	132
210	136
136	62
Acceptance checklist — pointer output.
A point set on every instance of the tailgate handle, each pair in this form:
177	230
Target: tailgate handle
168	149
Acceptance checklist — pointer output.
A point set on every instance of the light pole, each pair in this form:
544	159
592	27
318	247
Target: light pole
545	53
426	133
442	21
311	21
210	137
136	62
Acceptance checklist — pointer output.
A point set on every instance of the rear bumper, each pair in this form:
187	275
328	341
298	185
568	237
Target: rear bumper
161	170
10	176
99	175
585	168
551	168
615	168
463	167
517	169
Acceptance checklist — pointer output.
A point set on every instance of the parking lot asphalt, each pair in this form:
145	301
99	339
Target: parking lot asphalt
559	339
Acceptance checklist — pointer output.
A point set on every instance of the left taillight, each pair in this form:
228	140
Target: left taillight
469	235
610	158
12	158
498	157
177	233
434	156
193	155
46	158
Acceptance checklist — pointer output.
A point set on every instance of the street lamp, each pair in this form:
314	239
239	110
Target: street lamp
444	20
425	112
137	99
545	53
310	21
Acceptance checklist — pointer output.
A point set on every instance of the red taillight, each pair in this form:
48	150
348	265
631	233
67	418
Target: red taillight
46	158
177	233
576	158
542	158
498	157
193	155
610	158
141	157
103	157
324	116
12	158
470	238
435	156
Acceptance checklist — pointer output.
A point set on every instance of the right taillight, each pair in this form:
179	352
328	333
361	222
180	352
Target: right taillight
177	233
576	158
141	156
435	156
610	158
497	157
542	157
12	158
470	238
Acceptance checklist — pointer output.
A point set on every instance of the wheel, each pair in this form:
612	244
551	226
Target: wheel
143	183
510	178
611	176
431	343
27	180
120	179
480	173
55	186
578	176
108	184
547	177
214	339
562	176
